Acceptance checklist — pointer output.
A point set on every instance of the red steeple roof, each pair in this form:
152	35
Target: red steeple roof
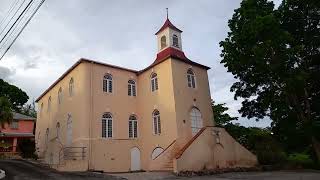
166	24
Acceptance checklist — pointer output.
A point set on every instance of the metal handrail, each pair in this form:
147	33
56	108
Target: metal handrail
72	153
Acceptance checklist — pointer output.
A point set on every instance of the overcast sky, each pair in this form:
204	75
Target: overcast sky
119	32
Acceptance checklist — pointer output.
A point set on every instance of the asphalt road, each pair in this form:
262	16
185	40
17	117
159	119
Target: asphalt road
23	170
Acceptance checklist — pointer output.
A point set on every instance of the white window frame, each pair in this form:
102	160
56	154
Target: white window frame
156	122
163	42
107	83
133	127
196	120
175	41
108	120
191	79
154	82
132	88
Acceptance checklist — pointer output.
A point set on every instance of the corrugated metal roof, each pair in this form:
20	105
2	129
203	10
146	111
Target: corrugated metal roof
18	116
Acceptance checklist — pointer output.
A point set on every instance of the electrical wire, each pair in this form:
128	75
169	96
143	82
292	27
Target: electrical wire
5	27
22	28
9	12
24	10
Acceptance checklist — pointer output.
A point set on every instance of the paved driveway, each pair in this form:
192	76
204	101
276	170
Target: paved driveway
23	170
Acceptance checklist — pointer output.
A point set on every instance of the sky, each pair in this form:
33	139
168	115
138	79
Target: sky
119	32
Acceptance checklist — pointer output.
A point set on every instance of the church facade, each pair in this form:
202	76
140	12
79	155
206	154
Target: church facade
102	117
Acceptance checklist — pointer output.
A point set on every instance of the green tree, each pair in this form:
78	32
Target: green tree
16	96
220	116
274	55
5	111
29	110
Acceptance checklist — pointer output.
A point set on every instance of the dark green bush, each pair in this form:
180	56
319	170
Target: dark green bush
300	160
27	148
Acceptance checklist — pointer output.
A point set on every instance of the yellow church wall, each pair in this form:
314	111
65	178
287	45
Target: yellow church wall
186	98
163	101
75	105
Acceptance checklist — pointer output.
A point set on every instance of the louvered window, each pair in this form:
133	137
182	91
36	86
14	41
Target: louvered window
107	83
191	79
154	82
107	125
133	127
132	88
156	122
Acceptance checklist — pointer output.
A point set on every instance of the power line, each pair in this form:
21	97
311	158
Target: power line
15	27
42	1
5	27
16	21
9	12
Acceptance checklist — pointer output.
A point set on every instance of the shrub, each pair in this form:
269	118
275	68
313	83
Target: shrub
27	148
300	160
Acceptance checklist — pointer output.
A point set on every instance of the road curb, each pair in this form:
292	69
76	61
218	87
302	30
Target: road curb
2	174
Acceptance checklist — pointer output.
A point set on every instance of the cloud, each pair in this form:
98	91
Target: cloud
120	33
6	73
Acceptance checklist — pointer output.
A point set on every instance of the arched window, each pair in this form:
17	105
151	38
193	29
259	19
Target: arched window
156	152
154	82
191	79
132	88
41	108
69	131
107	83
156	122
60	95
133	127
49	104
163	42
58	130
196	120
71	87
107	125
175	41
46	141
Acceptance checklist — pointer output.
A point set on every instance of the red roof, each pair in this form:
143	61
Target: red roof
171	52
168	24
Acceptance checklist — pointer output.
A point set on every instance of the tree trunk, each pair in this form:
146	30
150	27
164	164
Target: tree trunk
316	147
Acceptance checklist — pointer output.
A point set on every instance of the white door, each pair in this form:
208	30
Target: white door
135	159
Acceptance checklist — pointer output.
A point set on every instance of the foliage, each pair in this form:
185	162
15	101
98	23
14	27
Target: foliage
16	96
29	110
221	118
259	141
300	159
27	148
274	55
5	111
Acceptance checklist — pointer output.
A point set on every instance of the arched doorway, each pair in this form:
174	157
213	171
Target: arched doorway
196	120
156	152
135	159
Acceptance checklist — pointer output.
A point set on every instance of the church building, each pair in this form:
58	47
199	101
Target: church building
103	117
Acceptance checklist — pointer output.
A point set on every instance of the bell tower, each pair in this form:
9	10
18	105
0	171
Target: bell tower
169	36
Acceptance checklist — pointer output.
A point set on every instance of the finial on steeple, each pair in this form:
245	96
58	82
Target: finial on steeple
167	13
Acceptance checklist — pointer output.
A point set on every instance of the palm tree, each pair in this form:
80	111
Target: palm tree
6	115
